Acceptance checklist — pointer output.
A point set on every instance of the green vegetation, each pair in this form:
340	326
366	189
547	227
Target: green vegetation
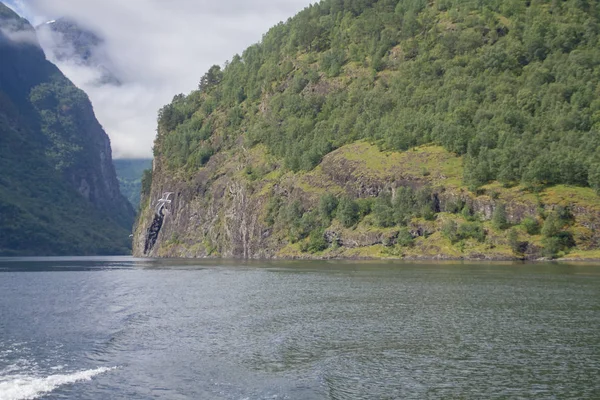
448	127
131	173
348	211
50	158
406	205
531	225
557	238
146	183
499	217
509	85
327	206
467	230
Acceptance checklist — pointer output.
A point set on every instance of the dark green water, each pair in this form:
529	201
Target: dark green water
120	328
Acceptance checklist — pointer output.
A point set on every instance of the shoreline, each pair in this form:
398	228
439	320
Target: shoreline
363	258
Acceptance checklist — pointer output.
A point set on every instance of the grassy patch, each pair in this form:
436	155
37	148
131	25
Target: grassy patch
584	255
571	196
432	164
374	251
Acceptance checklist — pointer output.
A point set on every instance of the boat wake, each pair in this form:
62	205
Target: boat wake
22	387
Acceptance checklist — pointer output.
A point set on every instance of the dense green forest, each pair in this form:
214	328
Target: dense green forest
58	195
391	128
511	85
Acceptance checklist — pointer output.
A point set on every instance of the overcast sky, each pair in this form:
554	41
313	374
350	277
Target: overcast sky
160	48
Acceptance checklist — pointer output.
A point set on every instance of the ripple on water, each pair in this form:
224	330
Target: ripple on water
302	333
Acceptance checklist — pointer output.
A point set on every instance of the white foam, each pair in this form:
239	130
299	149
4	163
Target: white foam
21	387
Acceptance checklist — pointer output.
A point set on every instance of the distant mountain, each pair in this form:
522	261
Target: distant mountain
129	174
58	188
67	41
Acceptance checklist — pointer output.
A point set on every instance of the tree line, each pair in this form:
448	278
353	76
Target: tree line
512	86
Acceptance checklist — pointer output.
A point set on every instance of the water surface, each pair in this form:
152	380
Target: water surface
122	328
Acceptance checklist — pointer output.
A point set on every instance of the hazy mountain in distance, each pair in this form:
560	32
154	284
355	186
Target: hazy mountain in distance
129	174
66	41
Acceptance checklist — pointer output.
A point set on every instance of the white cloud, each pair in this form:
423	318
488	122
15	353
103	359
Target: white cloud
160	48
18	34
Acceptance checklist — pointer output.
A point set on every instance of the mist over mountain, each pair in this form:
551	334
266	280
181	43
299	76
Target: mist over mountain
155	49
66	42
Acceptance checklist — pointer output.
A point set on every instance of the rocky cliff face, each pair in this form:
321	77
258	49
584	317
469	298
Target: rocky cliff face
58	188
222	211
90	169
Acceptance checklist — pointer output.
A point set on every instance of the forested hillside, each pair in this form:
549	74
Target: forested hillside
507	90
58	188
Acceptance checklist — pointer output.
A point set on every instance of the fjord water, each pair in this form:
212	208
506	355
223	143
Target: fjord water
121	328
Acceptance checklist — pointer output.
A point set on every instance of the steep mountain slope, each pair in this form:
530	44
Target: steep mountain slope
449	128
58	189
129	174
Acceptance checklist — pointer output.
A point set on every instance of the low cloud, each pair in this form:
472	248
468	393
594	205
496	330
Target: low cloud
159	49
17	32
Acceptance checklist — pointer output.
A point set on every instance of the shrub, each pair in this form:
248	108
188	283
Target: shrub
467	212
427	213
551	247
365	206
348	212
472	230
423	203
404	205
292	218
200	157
564	214
450	230
552	225
146	182
308	222
383	211
566	240
563	241
555	238
499	219
455	206
273	207
316	241
516	246
327	206
405	239
531	225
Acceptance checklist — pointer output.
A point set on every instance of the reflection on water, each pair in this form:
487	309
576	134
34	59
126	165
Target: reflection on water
298	330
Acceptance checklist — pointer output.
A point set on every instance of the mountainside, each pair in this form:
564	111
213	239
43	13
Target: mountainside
364	128
58	189
129	174
66	41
